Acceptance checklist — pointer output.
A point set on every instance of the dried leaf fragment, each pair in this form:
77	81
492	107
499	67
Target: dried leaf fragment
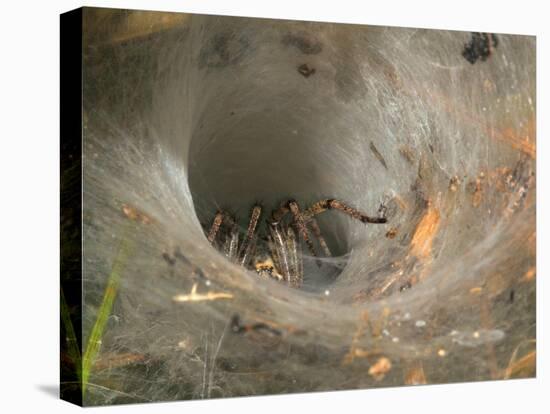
136	215
421	244
198	297
380	368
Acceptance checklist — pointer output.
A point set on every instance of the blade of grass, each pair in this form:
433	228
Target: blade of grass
94	341
73	350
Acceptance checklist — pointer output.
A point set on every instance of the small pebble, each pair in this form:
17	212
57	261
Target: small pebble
420	323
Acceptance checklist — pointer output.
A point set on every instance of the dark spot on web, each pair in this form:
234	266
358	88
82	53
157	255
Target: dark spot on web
304	42
480	47
305	70
223	49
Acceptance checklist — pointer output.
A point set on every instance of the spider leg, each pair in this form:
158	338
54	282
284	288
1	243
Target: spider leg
278	214
232	243
317	232
218	218
330	204
301	226
281	249
300	267
251	253
254	218
274	254
295	259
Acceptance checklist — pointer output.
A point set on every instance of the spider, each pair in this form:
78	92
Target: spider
281	259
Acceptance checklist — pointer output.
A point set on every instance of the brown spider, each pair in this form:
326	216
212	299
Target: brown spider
282	260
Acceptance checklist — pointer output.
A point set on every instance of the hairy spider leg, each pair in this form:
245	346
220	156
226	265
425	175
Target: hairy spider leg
218	218
232	243
300	268
317	232
252	224
274	253
281	249
296	271
330	204
277	215
251	253
302	228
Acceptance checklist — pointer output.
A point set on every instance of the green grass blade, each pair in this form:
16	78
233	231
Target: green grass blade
94	341
72	343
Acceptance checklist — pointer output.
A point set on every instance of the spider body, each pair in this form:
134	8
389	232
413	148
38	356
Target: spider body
280	257
265	267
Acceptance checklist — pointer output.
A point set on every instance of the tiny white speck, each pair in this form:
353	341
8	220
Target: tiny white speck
208	283
475	334
420	323
385	332
327	292
453	333
407	316
484	109
395	339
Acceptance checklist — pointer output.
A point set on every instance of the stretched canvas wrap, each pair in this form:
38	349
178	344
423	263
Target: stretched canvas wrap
256	206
